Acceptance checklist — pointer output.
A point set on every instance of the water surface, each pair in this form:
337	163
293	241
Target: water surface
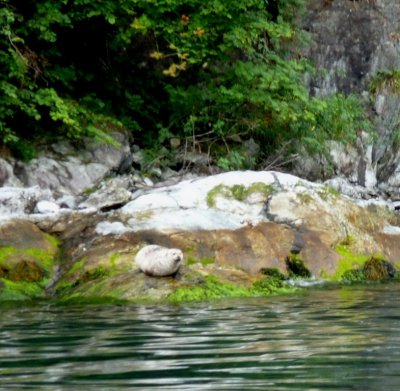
327	339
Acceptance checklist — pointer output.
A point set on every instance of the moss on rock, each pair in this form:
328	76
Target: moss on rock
25	271
237	192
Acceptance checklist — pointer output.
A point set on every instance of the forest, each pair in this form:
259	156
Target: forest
210	75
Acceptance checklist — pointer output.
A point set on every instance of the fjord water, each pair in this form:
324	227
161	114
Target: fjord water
326	339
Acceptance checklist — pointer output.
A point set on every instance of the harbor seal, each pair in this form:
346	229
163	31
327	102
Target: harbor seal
159	261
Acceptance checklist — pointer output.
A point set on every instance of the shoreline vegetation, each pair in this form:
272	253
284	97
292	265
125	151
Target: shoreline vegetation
177	77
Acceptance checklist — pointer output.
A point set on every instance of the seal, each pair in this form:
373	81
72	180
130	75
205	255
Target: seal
159	261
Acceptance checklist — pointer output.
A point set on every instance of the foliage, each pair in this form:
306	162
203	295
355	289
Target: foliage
201	71
386	80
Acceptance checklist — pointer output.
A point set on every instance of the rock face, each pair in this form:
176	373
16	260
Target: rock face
356	46
353	40
159	261
66	169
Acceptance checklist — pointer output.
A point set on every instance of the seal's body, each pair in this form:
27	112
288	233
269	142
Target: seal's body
159	261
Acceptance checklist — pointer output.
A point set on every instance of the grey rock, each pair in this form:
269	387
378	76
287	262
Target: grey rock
67	202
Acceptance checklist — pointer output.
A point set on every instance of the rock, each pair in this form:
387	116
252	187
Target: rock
159	261
21	201
66	169
67	202
148	182
391	230
107	228
343	186
175	142
139	158
111	194
27	260
46	207
357	46
229	226
7	177
69	176
109	155
125	165
196	160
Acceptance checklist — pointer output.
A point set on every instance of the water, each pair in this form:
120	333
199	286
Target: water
332	339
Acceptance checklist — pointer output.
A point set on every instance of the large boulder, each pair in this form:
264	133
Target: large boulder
233	228
251	221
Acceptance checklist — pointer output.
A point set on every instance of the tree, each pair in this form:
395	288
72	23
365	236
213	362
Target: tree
213	71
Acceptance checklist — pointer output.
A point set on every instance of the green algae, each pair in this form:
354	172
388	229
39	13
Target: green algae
360	268
68	284
78	265
348	261
25	272
203	261
55	242
212	288
9	261
272	272
6	252
44	258
237	192
21	290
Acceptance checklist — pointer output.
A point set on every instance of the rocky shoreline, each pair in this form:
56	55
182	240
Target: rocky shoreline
242	233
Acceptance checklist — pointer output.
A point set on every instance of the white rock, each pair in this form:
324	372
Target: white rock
380	104
16	201
148	182
187	220
114	228
159	261
46	207
185	205
391	230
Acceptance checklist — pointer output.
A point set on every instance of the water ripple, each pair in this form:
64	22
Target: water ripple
337	339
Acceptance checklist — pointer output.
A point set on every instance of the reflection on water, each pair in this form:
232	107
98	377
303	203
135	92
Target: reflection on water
337	339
